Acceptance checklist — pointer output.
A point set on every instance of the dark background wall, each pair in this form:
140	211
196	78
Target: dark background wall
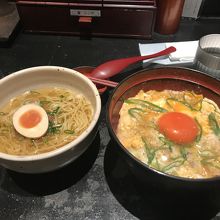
210	8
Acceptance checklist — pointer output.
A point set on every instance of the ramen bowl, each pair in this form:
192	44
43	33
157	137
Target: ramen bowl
35	78
169	78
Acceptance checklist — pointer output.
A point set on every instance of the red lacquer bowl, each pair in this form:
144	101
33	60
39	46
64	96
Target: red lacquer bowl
172	78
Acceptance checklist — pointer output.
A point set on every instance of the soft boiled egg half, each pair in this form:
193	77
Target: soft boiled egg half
31	121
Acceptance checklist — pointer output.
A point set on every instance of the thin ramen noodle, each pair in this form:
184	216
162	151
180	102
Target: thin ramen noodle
69	113
175	132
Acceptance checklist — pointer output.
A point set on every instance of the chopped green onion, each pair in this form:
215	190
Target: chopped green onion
197	106
210	159
54	112
145	104
54	129
183	153
45	140
170	100
157	165
213	123
175	163
43	102
150	152
133	111
207	154
166	142
69	131
152	160
198	137
178	161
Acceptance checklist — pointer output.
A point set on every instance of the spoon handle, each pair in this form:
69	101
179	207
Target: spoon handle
111	68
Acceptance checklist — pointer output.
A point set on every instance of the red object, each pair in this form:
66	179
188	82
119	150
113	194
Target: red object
172	78
86	70
178	79
85	19
168	16
178	127
103	81
111	68
112	18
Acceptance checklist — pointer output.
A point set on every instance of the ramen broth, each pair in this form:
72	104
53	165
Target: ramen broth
69	114
186	146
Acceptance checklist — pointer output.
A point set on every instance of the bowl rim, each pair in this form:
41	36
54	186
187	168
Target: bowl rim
80	138
137	161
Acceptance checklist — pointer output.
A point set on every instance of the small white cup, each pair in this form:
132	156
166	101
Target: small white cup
207	57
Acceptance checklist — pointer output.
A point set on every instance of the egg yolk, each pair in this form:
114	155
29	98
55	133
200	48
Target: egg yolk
178	127
30	119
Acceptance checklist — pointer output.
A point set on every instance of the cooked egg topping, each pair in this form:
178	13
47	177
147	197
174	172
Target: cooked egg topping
31	121
175	132
178	127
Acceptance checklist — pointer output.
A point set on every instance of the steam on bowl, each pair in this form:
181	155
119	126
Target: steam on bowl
72	105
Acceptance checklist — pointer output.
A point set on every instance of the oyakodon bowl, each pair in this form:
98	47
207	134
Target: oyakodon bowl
171	78
45	77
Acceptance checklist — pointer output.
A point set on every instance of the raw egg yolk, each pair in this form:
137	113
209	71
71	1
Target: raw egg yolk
178	127
30	119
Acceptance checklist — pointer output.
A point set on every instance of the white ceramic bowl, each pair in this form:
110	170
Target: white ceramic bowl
44	76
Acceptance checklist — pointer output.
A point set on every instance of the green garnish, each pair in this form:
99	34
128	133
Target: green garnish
54	129
178	161
152	160
145	104
150	152
207	154
175	163
198	137
157	165
44	102
213	123
133	111
54	112
69	131
170	101
209	158
167	143
211	162
3	113
194	100
183	153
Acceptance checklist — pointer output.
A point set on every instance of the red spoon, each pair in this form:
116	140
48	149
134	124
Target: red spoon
111	68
